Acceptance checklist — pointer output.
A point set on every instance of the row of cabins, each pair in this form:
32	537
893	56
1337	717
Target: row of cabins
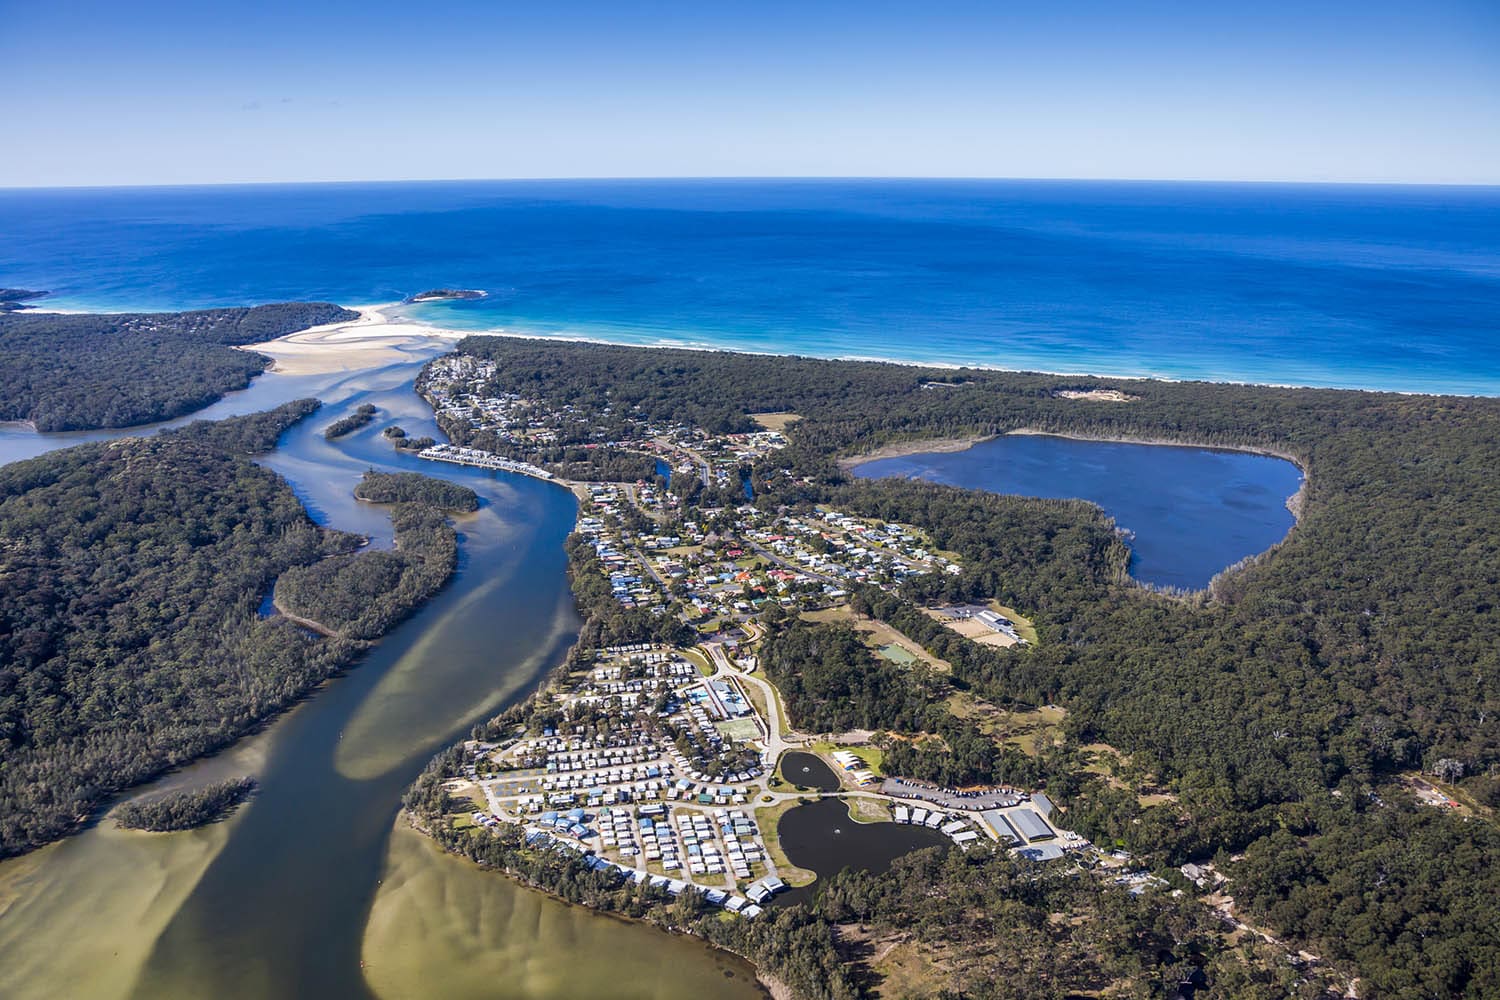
483	459
542	840
956	829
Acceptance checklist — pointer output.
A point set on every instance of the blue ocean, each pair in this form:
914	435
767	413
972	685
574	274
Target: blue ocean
1353	286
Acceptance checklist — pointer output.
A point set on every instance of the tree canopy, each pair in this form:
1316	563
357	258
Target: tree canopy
131	577
79	372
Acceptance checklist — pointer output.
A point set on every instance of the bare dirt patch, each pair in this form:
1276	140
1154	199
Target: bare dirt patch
777	422
1096	395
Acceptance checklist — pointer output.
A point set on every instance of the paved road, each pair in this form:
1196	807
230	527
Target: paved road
706	470
775	743
784	564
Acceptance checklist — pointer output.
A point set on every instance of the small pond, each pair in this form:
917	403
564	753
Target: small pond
821	837
809	771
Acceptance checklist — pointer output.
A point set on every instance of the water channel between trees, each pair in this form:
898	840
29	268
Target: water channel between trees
311	890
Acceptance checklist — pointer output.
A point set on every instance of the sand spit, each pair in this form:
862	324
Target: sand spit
900	449
374	340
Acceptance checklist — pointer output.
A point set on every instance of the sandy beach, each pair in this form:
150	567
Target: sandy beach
372	341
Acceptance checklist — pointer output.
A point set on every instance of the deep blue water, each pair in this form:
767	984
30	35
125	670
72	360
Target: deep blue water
1192	511
1376	287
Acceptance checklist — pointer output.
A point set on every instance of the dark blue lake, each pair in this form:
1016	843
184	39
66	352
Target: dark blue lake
1191	511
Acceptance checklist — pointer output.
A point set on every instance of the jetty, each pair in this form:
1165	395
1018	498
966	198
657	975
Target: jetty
483	460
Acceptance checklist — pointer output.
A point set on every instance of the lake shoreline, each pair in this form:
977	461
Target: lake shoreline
1294	502
904	449
937	446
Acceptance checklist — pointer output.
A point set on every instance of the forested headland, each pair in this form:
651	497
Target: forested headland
187	809
131	573
82	372
361	595
1273	719
15	299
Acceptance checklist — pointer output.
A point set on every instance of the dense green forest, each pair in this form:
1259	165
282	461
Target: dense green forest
1363	647
361	595
831	682
79	372
186	809
413	487
397	436
363	414
131	573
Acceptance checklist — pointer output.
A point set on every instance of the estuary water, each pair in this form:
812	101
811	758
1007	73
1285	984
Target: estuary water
1357	286
311	890
1188	512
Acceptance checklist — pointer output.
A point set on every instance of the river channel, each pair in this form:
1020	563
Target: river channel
313	889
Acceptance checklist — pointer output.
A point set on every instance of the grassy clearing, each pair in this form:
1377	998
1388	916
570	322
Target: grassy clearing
867	810
877	635
757	700
1028	730
778	421
906	970
698	660
873	757
1023	626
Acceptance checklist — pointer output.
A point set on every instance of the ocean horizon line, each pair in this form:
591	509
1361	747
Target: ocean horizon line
1266	182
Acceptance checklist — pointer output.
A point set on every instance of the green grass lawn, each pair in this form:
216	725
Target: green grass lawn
873	757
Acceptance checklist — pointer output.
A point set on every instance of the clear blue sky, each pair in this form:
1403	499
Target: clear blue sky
205	91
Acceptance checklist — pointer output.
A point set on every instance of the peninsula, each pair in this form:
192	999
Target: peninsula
77	371
16	299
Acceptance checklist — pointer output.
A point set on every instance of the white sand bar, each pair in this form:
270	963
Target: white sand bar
372	341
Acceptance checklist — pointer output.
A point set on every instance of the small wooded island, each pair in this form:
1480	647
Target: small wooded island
186	810
413	487
397	436
361	416
439	294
